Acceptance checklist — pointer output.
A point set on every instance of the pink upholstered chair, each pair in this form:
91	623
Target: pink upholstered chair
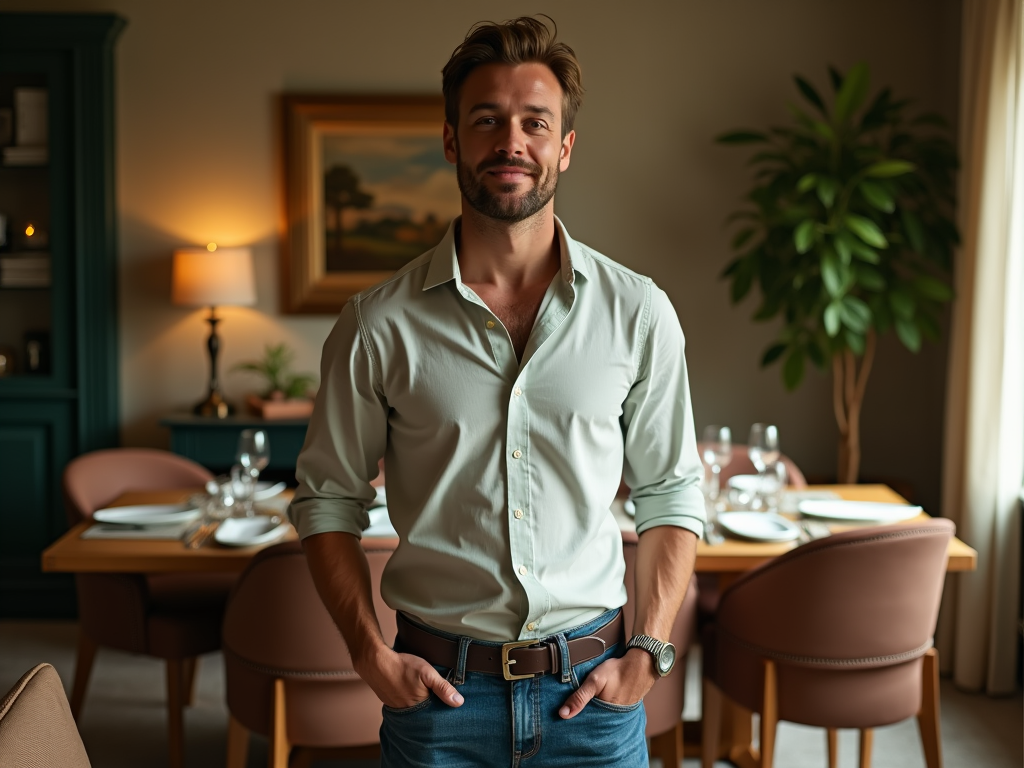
175	617
36	727
837	634
288	670
664	702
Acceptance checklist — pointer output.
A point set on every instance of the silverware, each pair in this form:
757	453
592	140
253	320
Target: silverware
198	535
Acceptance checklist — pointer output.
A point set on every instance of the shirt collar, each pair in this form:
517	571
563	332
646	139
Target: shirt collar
444	264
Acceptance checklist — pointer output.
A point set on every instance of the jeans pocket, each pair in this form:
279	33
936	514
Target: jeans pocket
617	708
407	710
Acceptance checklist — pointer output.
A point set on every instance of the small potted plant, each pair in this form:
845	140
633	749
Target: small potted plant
286	395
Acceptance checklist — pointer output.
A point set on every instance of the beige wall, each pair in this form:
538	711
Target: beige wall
196	162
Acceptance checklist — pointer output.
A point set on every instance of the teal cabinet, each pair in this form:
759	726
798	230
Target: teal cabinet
59	394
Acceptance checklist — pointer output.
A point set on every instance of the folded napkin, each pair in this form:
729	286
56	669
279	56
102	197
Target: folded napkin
156	532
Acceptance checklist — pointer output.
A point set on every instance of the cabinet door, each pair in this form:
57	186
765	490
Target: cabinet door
35	442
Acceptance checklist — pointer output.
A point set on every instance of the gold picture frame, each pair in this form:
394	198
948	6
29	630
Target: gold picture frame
366	189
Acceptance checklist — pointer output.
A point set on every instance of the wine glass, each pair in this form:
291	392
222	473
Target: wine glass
717	454
763	446
253	455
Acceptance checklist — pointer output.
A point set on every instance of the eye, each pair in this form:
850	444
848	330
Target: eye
536	125
487	121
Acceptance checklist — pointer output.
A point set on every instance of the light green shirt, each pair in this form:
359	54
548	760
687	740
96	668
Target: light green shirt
500	473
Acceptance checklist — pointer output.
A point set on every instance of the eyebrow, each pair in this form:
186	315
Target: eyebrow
532	108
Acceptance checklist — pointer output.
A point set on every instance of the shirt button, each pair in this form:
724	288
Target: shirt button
531	626
519	514
517	454
522	570
490	323
517	392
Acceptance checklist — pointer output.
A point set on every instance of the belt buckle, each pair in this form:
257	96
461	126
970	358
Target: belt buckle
506	661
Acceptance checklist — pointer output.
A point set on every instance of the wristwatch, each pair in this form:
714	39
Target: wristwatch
664	654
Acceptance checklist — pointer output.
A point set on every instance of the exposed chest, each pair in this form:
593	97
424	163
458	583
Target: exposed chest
517	312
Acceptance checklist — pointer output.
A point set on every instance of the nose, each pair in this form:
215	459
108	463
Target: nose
510	141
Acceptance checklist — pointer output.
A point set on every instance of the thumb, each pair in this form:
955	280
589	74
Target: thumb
444	690
582	696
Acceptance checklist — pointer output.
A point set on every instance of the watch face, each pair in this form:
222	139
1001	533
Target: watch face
666	659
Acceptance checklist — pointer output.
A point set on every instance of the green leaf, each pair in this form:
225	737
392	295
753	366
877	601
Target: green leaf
877	196
806	183
869	277
803	237
903	304
933	289
793	369
852	92
862	252
854	341
866	230
773	353
836	78
741	137
810	94
830	274
842	246
824	130
909	334
827	189
888	168
743	279
915	231
742	237
814	352
855	314
929	326
832	320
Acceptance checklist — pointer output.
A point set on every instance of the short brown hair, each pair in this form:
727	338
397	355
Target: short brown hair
518	41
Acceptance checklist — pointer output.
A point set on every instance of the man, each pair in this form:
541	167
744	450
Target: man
507	377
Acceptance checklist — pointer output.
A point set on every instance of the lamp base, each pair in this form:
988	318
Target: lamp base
214	406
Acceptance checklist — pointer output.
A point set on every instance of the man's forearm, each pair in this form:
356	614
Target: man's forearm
342	577
664	564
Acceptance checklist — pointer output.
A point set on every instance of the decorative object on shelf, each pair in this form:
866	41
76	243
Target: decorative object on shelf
850	235
31	128
287	394
367	189
8	361
37	352
25	270
212	277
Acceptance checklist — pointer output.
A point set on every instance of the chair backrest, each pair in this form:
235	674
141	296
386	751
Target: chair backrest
95	479
862	599
664	702
276	626
742	465
36	726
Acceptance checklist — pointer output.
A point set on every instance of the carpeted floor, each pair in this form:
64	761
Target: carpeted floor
124	725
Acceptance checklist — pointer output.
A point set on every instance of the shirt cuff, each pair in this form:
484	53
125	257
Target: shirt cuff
683	508
318	515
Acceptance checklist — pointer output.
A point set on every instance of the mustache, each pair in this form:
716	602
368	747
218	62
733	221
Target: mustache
512	162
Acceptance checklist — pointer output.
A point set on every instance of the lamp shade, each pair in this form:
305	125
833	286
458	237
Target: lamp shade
204	278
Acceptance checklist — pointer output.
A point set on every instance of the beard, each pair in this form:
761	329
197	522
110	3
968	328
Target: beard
506	205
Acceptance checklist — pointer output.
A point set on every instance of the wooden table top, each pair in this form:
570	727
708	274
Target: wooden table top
71	553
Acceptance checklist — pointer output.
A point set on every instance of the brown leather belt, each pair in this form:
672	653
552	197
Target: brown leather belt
514	661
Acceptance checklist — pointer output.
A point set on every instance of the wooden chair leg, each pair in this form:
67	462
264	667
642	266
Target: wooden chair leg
867	738
669	746
188	671
279	746
83	669
712	722
928	717
175	713
769	715
238	744
833	747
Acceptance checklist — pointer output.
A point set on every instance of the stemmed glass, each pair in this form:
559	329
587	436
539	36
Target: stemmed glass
717	454
252	456
763	449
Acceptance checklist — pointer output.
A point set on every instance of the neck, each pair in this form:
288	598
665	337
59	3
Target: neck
504	254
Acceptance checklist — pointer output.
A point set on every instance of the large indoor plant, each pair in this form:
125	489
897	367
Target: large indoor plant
848	234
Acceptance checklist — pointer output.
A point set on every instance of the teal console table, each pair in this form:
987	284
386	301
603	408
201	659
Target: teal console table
212	442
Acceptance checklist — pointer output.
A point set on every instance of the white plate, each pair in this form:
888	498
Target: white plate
859	511
249	531
147	514
747	483
267	490
760	526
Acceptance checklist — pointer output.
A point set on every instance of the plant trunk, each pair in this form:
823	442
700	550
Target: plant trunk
848	383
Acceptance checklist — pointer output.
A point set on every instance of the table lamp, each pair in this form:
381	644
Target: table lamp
213	277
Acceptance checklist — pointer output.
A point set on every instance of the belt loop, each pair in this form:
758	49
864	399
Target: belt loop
460	664
565	663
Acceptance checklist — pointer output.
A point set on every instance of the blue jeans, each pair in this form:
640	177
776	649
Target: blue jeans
508	724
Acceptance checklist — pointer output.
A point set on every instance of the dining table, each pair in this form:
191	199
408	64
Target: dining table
728	560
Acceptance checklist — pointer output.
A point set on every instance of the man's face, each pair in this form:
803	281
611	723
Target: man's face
509	149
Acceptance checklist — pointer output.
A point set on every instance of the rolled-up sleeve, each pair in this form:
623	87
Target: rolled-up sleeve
662	466
346	436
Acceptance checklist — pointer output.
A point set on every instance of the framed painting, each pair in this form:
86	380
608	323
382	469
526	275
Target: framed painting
367	189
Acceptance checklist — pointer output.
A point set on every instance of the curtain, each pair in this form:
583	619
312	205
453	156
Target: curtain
984	439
